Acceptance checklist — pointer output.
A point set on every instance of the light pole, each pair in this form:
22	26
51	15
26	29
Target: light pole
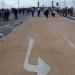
65	3
52	5
60	3
73	1
2	3
38	3
18	4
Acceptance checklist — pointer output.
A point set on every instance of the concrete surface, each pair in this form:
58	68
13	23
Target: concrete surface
54	43
12	24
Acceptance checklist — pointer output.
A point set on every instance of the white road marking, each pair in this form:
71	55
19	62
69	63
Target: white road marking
9	26
41	68
16	28
1	34
67	40
5	26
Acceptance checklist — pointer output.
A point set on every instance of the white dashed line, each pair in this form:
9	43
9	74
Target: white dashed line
67	40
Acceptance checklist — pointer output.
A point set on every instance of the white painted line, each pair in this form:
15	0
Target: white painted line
5	26
3	37
15	28
1	34
9	26
41	68
67	40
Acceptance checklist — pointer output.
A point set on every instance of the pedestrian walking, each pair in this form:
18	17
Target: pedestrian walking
46	12
33	12
7	14
0	15
38	12
15	11
53	13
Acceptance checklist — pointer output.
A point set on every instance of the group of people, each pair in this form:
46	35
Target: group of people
46	12
5	13
65	11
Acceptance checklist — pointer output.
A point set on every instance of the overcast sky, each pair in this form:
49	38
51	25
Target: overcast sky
28	3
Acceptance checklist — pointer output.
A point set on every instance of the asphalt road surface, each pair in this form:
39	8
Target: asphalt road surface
7	27
54	43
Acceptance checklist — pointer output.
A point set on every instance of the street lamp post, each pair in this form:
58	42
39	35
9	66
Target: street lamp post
73	1
18	4
38	3
52	5
2	3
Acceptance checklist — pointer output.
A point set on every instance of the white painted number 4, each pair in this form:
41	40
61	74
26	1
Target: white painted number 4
41	68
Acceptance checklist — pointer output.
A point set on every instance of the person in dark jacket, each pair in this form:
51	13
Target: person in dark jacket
38	12
66	11
0	15
7	14
53	13
33	12
46	12
15	11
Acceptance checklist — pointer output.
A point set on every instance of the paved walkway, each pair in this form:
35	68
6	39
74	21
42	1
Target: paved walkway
7	27
73	18
54	43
